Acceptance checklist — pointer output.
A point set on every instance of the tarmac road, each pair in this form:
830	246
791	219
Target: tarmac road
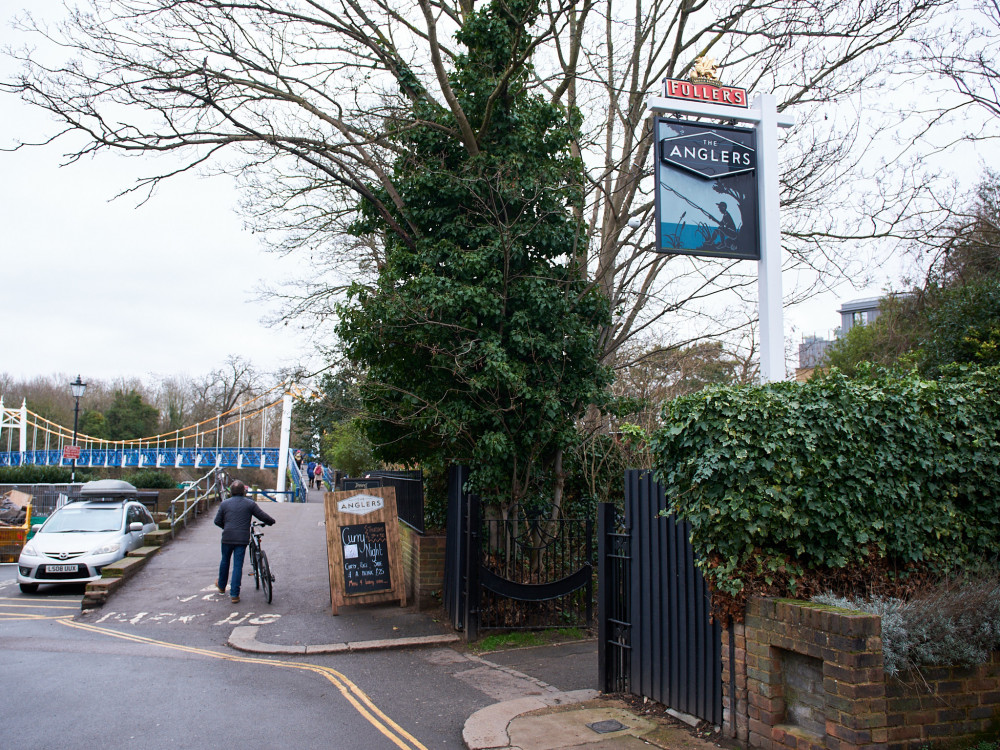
152	668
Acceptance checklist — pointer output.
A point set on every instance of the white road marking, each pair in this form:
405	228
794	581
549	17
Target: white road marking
230	621
171	618
264	619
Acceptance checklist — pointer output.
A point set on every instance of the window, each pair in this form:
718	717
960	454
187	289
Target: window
78	517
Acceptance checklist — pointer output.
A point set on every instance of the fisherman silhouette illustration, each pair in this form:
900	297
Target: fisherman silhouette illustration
724	236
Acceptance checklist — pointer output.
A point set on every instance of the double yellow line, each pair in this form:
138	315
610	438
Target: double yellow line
11	612
351	692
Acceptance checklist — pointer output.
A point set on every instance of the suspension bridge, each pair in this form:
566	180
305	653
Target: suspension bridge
253	434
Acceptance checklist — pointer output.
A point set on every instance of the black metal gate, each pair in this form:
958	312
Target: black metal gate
614	628
515	572
656	635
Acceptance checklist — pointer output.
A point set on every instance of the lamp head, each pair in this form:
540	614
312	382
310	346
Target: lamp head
78	387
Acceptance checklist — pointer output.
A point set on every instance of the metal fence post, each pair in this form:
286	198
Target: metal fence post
589	529
605	519
473	560
454	590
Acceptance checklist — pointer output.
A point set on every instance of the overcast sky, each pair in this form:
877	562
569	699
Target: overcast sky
107	289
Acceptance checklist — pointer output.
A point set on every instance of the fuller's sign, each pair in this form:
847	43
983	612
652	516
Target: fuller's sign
713	93
706	189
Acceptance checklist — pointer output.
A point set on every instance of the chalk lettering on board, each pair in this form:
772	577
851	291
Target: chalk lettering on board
368	569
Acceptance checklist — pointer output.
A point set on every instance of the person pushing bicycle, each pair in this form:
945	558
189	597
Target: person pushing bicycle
233	517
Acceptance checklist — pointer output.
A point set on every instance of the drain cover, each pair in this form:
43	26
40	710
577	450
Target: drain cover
610	725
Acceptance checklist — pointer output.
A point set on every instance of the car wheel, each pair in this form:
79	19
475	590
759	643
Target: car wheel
28	588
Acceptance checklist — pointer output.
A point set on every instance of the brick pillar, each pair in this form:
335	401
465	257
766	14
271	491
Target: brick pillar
791	647
423	565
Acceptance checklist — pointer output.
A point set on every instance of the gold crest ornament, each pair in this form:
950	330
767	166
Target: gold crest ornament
705	71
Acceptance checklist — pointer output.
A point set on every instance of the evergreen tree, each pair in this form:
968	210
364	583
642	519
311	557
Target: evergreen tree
129	417
480	337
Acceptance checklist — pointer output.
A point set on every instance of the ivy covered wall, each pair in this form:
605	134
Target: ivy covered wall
794	483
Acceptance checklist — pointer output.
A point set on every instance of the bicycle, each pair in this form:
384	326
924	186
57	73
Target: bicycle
259	568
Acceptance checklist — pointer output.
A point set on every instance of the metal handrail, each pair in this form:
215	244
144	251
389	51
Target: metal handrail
213	482
298	486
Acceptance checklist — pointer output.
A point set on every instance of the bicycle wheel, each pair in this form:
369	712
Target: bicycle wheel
254	564
265	576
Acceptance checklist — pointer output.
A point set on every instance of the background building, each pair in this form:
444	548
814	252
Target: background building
812	350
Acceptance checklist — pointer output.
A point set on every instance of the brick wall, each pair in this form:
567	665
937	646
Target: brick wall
943	702
810	677
423	566
164	498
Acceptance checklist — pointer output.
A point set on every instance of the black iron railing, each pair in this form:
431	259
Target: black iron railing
536	573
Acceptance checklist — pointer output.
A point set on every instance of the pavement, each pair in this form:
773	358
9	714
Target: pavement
547	696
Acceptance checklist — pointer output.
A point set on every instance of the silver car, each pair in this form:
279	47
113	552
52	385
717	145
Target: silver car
78	540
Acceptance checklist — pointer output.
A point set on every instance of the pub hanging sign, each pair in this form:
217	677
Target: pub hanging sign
706	189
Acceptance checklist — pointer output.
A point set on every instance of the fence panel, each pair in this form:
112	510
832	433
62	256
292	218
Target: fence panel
44	497
675	648
514	573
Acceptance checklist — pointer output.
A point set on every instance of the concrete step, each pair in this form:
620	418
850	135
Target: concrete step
157	538
124	568
97	592
144	552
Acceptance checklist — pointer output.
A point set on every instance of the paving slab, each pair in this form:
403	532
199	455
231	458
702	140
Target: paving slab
176	589
244	638
562	729
570	721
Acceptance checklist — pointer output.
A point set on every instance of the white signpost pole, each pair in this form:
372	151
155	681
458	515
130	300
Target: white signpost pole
286	429
764	116
769	297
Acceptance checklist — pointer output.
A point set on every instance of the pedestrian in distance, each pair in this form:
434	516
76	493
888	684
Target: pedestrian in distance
318	475
233	517
310	467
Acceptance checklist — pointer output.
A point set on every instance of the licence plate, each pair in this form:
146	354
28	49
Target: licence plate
62	568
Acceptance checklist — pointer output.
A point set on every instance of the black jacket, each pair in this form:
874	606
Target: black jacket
234	519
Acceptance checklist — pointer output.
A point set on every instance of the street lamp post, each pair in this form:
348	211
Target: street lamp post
78	387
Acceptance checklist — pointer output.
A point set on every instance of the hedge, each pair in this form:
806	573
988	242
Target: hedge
29	474
151	479
790	477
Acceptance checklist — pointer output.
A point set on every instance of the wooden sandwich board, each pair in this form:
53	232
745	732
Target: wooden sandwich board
362	543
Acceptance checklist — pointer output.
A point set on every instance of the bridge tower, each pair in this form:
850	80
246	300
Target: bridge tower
16	418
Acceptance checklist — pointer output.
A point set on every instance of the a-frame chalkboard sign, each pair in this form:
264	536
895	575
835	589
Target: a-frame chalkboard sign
362	543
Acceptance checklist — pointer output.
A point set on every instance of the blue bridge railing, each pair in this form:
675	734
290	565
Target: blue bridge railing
150	458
